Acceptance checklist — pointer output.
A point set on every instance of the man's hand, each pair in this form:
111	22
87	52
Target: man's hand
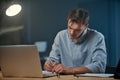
54	67
57	68
60	68
49	66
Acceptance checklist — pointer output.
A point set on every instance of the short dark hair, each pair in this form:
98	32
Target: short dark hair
79	15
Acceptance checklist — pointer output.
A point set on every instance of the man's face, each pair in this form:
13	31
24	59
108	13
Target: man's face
76	29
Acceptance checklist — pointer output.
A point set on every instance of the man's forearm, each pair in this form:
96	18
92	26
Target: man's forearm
77	70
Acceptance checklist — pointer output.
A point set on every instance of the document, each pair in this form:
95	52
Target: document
48	74
95	75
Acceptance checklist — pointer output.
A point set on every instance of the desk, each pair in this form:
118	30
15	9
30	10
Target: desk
62	77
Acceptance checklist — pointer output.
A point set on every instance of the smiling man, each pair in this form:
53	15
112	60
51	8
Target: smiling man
77	49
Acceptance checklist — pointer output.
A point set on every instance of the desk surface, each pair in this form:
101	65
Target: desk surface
62	77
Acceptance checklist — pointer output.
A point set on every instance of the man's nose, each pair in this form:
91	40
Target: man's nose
72	31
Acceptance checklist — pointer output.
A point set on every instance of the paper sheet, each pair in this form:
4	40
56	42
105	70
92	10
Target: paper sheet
48	74
95	75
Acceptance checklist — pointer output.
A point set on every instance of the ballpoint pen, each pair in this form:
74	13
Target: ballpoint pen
54	63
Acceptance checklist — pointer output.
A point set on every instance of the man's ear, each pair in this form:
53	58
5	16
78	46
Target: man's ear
86	26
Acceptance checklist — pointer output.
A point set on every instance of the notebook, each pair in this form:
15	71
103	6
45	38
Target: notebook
116	75
95	75
21	61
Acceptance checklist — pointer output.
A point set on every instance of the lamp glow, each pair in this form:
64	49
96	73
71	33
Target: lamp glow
13	10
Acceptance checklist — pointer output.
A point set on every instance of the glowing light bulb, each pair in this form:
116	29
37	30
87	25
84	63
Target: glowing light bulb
13	10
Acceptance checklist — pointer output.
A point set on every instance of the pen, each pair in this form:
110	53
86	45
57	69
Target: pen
54	63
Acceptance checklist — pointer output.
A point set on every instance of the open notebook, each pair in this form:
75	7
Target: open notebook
95	75
116	75
21	61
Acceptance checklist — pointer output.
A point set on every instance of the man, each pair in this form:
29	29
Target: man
77	49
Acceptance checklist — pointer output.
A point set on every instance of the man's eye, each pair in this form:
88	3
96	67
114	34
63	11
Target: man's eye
70	28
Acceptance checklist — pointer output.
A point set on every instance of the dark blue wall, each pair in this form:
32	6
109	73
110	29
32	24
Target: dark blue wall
44	18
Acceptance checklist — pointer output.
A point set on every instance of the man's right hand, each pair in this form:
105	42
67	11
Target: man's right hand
49	66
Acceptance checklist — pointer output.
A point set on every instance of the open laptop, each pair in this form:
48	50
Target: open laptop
21	61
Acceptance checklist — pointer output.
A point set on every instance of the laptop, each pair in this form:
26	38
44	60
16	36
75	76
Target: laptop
21	61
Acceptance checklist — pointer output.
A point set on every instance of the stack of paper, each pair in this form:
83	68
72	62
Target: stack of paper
95	75
48	74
